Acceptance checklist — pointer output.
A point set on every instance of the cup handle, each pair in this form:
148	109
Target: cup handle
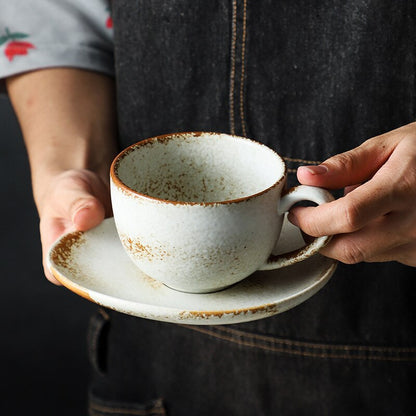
294	195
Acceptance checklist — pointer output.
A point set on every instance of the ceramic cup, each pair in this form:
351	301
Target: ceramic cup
202	211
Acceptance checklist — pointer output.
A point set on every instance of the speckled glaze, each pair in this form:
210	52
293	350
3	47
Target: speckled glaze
202	211
94	265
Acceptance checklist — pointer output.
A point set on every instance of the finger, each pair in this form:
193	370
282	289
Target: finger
347	214
405	254
375	242
350	188
88	215
349	168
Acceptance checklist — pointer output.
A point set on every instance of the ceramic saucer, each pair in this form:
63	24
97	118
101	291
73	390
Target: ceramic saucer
93	264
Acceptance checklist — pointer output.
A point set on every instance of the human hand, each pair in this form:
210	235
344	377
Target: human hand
375	220
68	120
72	200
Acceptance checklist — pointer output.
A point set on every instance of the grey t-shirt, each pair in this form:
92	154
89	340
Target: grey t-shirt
39	34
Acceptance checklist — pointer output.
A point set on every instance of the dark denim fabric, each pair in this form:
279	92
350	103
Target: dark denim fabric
310	79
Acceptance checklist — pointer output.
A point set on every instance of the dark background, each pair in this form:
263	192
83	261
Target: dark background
43	351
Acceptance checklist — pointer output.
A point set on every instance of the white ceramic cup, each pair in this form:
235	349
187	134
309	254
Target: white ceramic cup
202	211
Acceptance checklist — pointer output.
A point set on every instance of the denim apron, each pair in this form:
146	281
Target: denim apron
309	79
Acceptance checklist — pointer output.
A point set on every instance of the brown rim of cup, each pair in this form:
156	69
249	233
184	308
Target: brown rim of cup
121	185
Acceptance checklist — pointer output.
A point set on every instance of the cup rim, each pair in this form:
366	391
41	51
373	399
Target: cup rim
125	188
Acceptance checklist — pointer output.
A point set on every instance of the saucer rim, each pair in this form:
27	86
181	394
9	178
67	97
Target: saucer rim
187	316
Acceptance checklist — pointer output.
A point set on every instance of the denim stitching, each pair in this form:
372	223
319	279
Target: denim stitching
232	70
289	342
243	68
96	409
310	162
299	348
105	315
93	335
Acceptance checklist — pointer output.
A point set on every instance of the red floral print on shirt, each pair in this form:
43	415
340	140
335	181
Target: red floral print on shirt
109	20
15	46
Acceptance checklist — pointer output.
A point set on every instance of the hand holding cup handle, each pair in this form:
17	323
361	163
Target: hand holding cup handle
288	200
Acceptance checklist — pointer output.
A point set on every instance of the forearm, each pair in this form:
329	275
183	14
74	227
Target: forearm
68	122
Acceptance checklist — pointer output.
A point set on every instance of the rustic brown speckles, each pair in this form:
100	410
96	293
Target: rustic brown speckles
159	253
61	254
290	255
155	284
140	250
288	191
264	310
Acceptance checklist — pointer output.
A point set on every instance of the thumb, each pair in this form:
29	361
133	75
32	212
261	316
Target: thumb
348	168
87	213
84	199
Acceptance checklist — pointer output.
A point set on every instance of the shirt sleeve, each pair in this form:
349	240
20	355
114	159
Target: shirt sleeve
39	34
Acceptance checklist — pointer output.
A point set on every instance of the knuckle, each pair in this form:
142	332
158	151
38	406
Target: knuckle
405	188
352	253
81	202
345	161
352	217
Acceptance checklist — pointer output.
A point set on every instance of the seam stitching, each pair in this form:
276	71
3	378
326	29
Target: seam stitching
289	342
156	410
349	352
243	69
232	70
311	162
105	315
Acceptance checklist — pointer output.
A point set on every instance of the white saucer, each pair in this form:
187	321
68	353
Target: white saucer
93	264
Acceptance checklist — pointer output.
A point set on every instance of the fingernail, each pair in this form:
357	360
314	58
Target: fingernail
315	170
